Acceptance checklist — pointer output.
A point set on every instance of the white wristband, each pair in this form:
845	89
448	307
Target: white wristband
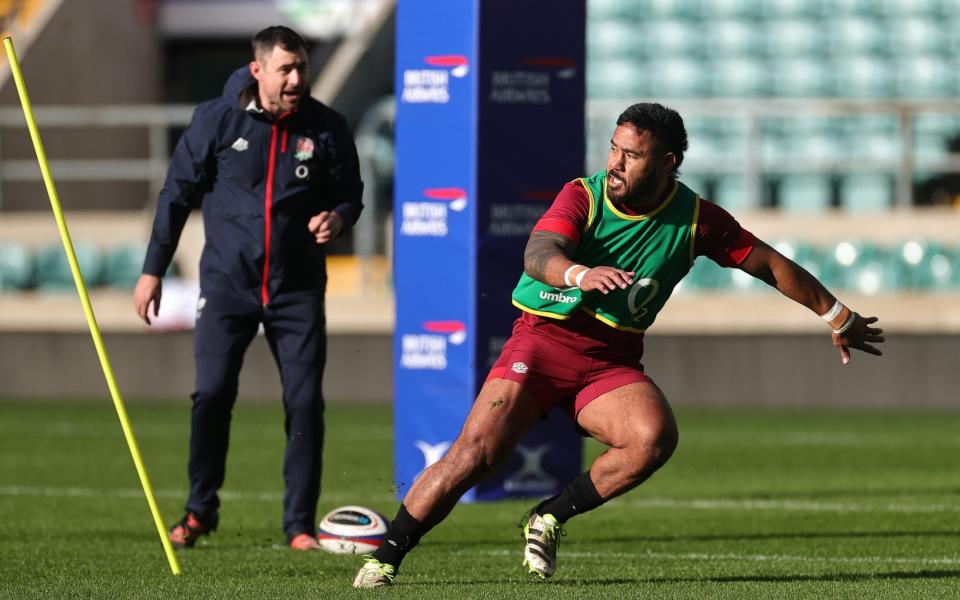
833	312
846	324
566	274
580	276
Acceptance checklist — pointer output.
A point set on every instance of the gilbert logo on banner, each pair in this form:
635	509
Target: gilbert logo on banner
427	350
428	217
432	85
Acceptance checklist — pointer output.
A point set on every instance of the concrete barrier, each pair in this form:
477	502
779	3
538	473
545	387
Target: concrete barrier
917	370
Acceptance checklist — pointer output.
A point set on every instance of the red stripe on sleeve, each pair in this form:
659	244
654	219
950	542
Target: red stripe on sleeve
568	214
558	225
741	247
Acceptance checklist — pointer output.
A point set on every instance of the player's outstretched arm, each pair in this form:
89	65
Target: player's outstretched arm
850	330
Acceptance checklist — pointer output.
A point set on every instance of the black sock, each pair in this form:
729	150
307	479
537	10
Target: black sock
403	534
579	497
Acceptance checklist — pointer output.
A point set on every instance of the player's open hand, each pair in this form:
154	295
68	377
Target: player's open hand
325	226
861	336
606	279
148	290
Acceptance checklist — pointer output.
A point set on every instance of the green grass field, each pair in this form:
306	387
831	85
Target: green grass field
769	504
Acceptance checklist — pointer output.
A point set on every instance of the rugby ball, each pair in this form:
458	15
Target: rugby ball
352	530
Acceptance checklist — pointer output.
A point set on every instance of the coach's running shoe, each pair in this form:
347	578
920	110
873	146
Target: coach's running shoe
186	532
374	574
304	541
542	536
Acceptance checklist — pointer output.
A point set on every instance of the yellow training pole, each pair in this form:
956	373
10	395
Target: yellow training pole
85	300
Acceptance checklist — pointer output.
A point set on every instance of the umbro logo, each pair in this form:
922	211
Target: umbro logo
240	145
519	367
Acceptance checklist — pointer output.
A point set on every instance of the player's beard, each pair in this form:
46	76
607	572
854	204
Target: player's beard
643	188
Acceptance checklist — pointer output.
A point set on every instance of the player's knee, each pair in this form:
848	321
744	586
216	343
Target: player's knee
214	395
653	444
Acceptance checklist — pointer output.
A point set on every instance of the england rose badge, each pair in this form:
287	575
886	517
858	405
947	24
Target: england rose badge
304	149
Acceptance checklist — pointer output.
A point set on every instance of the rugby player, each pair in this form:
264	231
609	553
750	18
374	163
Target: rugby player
598	267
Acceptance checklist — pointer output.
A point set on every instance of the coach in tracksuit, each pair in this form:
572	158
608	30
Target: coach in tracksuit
276	175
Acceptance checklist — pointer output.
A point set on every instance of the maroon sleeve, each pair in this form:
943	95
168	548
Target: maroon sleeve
569	212
720	238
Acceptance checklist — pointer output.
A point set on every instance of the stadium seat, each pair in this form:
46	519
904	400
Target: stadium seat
698	183
897	9
53	269
793	38
874	276
705	275
799	78
953	268
731	192
800	140
932	134
675	78
731	37
122	266
861	76
926	76
16	267
735	280
858	266
853	36
618	79
783	9
600	10
742	9
922	265
858	8
735	77
952	44
612	39
704	152
916	35
801	253
866	192
804	193
871	137
673	38
659	9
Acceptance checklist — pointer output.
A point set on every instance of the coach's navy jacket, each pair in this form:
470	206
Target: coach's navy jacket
258	181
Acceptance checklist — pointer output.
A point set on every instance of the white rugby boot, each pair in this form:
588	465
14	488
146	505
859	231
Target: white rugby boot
374	574
542	536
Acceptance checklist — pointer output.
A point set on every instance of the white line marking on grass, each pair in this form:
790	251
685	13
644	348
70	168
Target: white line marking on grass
786	505
158	431
822	439
82	492
695	504
698	556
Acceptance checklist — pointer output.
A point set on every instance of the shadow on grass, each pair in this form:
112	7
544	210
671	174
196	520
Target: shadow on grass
593	582
856	493
826	577
793	535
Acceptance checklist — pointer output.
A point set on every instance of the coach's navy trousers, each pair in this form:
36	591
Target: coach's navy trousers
295	329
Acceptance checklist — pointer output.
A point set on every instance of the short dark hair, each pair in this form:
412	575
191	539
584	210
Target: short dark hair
665	124
268	38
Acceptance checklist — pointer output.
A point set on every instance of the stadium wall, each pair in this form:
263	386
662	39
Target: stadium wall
87	54
798	370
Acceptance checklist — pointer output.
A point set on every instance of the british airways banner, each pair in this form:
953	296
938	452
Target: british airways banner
490	125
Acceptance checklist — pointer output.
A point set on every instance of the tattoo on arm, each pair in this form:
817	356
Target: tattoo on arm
542	247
